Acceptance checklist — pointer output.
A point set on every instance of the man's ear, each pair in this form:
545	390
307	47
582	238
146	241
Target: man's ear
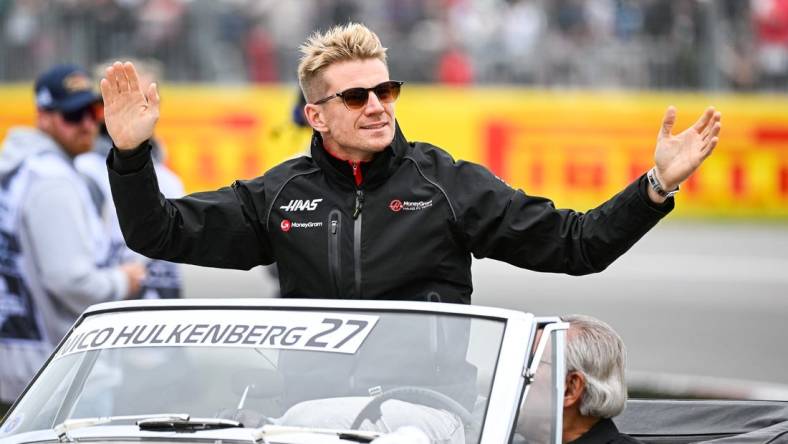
574	387
315	118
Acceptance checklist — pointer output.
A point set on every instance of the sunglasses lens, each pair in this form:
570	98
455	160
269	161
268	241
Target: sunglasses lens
388	91
74	117
355	97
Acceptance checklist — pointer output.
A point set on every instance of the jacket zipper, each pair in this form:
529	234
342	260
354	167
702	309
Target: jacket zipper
357	239
334	264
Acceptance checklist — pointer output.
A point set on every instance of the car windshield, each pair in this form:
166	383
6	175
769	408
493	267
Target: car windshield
271	366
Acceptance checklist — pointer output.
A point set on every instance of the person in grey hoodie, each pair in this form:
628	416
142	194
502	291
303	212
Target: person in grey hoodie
53	245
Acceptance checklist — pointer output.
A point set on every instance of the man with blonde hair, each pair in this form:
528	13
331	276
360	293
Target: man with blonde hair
370	215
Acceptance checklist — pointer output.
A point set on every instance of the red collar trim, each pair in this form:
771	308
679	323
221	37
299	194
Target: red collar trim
355	166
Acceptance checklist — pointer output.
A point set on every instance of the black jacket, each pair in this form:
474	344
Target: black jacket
605	432
406	232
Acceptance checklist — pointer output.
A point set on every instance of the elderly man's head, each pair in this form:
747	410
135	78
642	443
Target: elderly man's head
595	382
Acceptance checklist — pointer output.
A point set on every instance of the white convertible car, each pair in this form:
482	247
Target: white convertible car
297	371
277	371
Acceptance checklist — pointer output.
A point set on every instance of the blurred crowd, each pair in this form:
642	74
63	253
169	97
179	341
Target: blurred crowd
641	44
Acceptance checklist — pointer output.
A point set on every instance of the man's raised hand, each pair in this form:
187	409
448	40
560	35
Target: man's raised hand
678	156
130	114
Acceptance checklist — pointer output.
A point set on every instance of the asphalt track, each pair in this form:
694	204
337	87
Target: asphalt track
702	307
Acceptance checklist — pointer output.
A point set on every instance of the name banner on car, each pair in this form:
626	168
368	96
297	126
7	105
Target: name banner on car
317	331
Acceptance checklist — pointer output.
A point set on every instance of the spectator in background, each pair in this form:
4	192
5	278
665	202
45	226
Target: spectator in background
162	279
260	53
771	28
523	24
19	30
54	249
454	67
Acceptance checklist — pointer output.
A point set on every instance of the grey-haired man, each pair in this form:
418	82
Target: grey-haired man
595	386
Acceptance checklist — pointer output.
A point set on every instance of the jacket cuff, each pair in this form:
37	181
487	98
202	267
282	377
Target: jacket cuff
129	161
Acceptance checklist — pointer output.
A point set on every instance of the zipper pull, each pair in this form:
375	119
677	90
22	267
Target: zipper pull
356	172
359	203
334	226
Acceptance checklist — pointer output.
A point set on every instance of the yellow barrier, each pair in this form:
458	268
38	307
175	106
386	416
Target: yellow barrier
577	148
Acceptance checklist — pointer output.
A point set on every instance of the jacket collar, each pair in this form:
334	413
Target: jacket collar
604	431
373	173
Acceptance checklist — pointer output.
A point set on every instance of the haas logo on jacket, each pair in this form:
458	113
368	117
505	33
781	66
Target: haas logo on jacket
301	205
396	205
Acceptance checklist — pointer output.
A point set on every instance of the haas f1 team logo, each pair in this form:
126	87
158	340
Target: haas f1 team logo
285	225
396	205
301	205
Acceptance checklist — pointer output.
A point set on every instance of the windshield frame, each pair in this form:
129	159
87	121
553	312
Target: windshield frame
553	332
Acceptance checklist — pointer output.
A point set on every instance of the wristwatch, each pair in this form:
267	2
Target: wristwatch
656	186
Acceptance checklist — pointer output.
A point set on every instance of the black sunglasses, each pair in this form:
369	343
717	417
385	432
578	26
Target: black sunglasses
74	117
355	98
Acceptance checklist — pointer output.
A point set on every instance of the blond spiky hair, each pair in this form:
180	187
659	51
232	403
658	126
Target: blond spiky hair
352	41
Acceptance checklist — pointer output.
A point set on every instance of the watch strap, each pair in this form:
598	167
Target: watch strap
657	186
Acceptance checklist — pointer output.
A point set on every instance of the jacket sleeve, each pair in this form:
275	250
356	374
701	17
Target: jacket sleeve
499	222
63	250
213	229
